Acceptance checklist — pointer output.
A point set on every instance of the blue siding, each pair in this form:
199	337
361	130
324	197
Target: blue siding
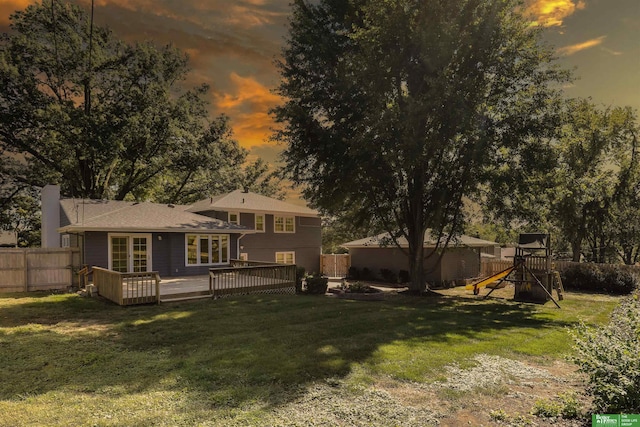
167	252
306	242
96	249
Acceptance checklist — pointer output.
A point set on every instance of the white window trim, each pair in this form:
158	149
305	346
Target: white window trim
284	223
130	249
198	237
284	256
229	217
264	222
66	241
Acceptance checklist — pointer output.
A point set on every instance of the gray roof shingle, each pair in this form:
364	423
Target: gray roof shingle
384	239
240	201
113	215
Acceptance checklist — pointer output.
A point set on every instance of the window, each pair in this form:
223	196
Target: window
285	257
234	218
259	222
207	249
283	224
66	241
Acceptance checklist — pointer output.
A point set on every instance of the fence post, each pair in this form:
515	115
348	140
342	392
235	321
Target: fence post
26	271
157	288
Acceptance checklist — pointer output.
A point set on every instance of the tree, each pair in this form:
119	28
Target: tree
104	118
581	181
625	215
395	108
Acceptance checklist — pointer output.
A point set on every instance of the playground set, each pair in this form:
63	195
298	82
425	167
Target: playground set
532	272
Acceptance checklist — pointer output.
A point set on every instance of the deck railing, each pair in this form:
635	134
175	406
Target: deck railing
127	288
249	277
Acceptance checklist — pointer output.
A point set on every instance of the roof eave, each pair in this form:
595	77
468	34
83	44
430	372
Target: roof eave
79	229
262	211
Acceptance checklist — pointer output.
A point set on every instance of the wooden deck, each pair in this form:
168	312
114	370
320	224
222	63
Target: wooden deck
192	287
144	288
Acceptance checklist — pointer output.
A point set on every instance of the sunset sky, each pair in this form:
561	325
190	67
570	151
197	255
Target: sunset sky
232	45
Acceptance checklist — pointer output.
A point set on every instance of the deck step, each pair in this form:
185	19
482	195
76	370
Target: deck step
194	297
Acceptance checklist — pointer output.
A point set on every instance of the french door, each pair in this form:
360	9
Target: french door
130	253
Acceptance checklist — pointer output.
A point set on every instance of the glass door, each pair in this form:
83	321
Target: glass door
140	254
130	253
120	254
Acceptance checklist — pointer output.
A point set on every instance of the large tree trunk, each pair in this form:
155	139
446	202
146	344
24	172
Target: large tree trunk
576	248
416	257
416	267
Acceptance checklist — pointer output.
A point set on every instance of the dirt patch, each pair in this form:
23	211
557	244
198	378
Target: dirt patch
495	392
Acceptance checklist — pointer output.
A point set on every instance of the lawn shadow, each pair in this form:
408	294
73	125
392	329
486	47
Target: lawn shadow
227	352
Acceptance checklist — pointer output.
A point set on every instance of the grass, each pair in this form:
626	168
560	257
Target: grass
68	360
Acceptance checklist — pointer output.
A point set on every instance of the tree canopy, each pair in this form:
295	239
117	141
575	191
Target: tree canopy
583	182
108	119
396	109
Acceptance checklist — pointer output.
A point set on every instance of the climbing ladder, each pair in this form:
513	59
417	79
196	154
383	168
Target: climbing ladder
557	284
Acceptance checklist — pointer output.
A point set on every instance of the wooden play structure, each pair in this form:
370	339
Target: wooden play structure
532	272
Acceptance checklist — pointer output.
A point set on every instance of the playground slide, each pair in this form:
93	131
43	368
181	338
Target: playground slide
484	282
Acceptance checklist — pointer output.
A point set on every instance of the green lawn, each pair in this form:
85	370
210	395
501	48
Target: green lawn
67	360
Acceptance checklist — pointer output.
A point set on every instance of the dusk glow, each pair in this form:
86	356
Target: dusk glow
232	46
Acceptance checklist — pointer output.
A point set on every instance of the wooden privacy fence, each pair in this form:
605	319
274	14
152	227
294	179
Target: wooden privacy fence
37	269
491	267
335	265
127	288
250	277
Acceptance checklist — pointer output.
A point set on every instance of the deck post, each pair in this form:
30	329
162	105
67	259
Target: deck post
157	288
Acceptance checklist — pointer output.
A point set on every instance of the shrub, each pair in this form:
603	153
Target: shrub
565	405
300	273
403	276
599	278
367	274
609	356
317	284
354	273
388	275
360	288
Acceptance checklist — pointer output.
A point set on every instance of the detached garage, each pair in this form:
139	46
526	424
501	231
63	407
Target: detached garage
461	260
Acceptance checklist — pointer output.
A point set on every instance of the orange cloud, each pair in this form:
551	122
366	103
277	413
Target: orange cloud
248	103
575	48
551	13
246	17
7	7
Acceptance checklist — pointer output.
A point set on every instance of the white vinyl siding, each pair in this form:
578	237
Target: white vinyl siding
206	249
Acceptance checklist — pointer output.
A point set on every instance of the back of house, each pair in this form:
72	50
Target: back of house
284	233
174	240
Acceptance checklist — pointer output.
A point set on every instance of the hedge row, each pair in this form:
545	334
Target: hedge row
607	278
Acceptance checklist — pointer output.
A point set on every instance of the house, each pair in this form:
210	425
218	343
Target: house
460	260
174	240
284	233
